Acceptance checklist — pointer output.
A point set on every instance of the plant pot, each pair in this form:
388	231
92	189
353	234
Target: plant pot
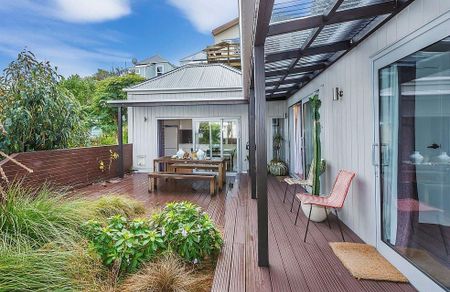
278	168
317	213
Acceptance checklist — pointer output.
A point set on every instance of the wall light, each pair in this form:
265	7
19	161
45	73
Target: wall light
337	93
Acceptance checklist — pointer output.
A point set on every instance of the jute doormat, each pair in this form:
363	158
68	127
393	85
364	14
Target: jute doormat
364	262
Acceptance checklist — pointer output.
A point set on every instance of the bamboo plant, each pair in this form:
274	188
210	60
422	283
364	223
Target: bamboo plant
317	161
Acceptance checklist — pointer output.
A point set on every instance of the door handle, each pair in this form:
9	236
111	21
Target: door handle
375	151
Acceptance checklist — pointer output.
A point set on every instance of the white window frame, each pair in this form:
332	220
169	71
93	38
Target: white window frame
427	35
162	70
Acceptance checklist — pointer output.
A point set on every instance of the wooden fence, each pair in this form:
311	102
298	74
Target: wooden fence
75	167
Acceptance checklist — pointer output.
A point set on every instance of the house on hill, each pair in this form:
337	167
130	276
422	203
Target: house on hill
152	66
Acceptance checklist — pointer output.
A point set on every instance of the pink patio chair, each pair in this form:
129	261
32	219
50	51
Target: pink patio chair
334	200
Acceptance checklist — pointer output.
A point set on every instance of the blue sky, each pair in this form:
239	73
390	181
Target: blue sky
80	36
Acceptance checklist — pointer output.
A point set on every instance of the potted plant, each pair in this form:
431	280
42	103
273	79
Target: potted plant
317	213
277	166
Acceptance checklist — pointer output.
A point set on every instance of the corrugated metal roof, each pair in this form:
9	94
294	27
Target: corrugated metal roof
194	76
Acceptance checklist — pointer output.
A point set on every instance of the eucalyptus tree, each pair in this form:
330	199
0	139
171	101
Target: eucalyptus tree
35	112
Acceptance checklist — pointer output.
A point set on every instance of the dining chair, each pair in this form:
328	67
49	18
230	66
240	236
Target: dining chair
334	200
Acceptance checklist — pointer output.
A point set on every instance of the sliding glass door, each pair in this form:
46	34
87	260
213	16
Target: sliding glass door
414	137
219	138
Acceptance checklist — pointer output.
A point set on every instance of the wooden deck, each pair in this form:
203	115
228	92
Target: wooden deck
294	265
136	186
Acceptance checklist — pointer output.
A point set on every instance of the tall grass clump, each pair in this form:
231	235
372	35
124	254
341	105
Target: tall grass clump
51	268
112	205
48	214
169	273
40	216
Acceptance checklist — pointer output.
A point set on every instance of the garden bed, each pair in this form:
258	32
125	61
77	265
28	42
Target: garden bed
49	241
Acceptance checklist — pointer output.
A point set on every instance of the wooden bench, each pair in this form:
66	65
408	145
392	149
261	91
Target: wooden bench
153	179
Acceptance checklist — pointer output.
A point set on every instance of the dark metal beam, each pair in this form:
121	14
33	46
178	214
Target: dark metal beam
261	156
304	69
251	143
336	17
275	90
275	97
289	81
309	51
120	142
265	8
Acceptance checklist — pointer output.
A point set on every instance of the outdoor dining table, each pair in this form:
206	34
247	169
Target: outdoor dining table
219	163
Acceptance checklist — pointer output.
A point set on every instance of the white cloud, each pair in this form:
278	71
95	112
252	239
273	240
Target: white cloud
75	11
90	10
62	51
206	15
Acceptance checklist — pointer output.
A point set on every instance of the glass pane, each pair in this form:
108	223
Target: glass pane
230	144
415	165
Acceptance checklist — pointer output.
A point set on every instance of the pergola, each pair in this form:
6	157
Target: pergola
286	44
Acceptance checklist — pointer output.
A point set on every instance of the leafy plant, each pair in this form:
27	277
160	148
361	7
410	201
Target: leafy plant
188	231
277	143
124	244
317	161
37	113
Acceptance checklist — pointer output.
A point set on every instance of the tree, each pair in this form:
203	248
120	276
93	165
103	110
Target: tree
83	89
111	88
37	113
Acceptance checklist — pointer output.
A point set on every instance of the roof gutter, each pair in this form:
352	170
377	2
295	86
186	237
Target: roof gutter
142	103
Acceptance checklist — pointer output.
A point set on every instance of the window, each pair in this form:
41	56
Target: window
159	70
414	128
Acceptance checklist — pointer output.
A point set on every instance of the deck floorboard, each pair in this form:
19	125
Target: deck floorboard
294	265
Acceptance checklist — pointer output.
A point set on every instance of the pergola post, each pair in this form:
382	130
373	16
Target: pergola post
261	156
251	143
120	141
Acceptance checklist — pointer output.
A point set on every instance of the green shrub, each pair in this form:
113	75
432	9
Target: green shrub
188	231
124	244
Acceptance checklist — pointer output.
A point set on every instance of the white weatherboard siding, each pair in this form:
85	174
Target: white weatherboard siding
347	125
144	133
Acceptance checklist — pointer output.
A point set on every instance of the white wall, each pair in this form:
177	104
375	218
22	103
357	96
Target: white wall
347	133
231	33
143	134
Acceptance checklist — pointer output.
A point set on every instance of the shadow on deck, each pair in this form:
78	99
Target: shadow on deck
294	265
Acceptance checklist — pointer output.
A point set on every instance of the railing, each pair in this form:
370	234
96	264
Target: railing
226	53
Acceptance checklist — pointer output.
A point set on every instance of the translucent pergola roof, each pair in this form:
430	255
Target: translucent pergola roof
306	36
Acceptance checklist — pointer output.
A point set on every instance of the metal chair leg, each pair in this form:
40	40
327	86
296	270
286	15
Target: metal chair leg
293	197
328	221
307	224
339	224
298	211
285	193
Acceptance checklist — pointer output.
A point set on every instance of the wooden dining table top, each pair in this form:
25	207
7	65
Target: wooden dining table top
169	159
